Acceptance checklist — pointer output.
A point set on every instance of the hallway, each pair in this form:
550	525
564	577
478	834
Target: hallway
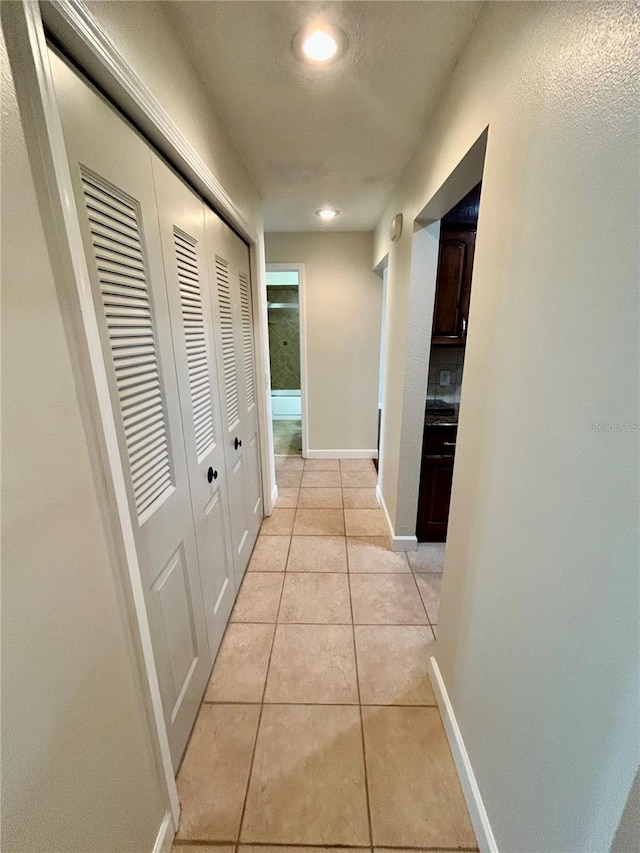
319	725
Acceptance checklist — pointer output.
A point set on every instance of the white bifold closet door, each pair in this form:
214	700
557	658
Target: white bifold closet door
177	364
181	217
233	320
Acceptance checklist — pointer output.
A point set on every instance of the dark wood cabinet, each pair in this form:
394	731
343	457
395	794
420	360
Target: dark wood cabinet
435	483
453	288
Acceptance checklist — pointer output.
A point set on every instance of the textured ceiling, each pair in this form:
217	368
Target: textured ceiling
339	135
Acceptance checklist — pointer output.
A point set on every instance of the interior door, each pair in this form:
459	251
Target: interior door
112	176
249	410
228	259
181	217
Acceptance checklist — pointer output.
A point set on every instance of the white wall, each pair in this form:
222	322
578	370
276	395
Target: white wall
343	311
78	765
538	637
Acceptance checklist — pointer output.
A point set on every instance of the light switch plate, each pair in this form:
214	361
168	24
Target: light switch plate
445	377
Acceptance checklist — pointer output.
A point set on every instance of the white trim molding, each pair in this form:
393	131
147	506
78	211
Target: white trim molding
341	454
165	836
398	543
470	789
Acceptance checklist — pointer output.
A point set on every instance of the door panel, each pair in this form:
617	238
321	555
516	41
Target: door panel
434	498
111	169
228	259
253	484
181	217
185	260
227	321
253	481
453	287
247	342
449	287
223	311
115	228
173	604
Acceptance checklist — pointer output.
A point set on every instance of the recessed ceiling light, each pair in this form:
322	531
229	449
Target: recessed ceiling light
319	46
327	213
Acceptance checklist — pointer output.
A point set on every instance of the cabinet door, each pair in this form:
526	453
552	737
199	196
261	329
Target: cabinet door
434	499
111	167
453	287
228	259
181	218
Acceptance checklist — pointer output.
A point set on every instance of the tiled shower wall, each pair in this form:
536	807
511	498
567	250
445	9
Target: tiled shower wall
284	339
445	358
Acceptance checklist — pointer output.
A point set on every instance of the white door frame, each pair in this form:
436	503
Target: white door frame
302	309
85	41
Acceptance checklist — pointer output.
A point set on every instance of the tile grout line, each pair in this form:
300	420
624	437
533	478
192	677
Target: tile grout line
195	843
329	704
355	659
204	701
264	690
424	606
357	624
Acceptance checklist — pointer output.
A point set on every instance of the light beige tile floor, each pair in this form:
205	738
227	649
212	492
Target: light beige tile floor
321	498
361	498
319	724
280	522
269	554
287	497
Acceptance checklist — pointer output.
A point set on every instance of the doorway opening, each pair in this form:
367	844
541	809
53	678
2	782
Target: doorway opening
286	358
384	267
458	229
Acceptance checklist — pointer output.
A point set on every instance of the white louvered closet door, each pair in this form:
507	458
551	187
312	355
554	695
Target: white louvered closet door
228	259
111	168
181	216
249	407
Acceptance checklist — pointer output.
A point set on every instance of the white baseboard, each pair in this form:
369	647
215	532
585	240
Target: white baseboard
398	543
274	494
342	454
165	836
477	811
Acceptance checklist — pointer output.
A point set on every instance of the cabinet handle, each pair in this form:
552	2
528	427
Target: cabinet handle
211	474
237	443
448	444
464	325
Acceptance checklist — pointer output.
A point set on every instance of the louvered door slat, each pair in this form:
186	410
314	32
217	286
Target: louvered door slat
150	489
195	340
147	440
111	239
139	410
226	336
118	251
247	340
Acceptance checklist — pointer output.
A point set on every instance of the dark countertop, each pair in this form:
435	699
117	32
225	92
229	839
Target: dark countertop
440	413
